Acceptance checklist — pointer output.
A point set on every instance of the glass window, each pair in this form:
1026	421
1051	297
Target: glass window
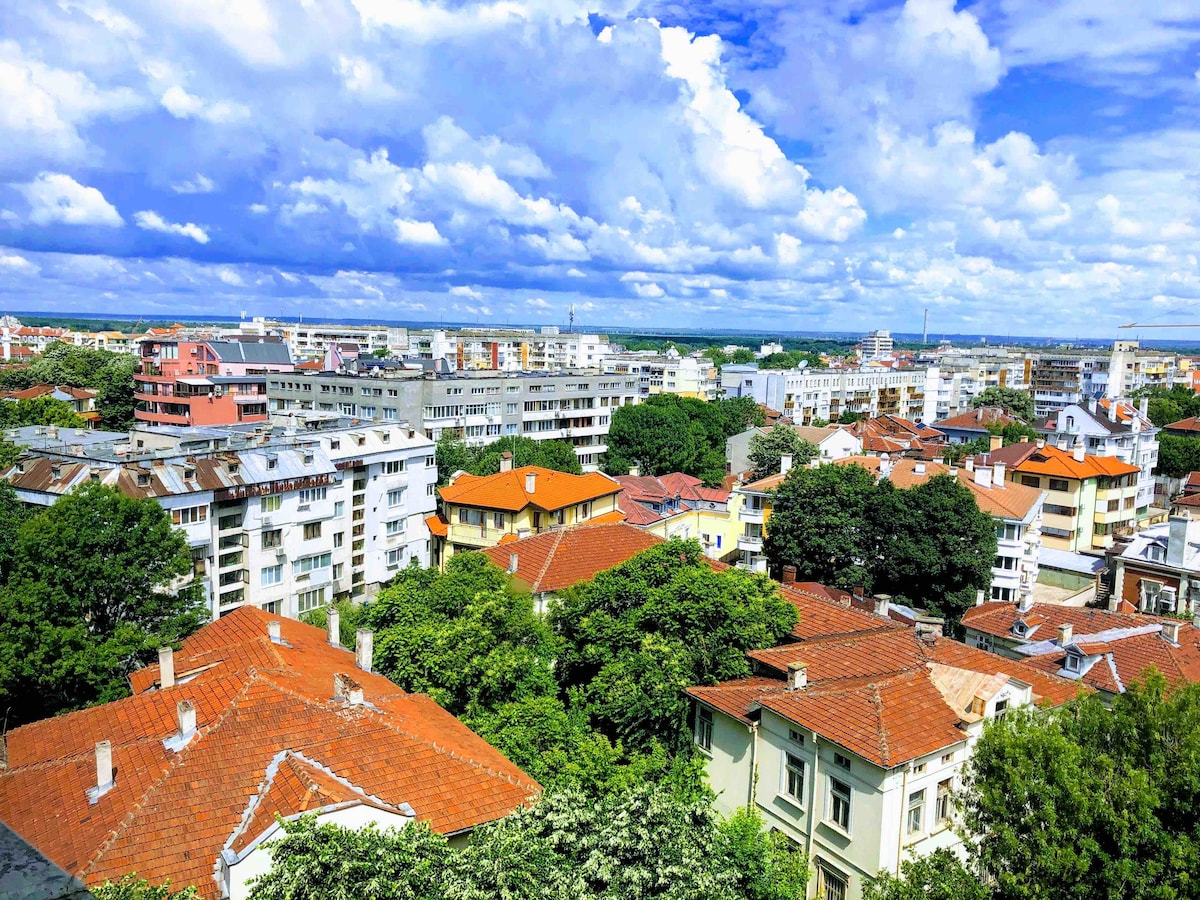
1031	481
704	728
832	883
189	515
396	526
270	575
339	509
271	539
309	495
396	497
307	600
839	803
307	564
392	466
793	777
944	805
270	504
840	760
916	810
1059	484
312	530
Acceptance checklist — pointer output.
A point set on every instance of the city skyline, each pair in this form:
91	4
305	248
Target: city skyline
1012	167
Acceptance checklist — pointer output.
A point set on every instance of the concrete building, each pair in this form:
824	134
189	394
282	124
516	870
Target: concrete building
877	345
206	382
680	506
969	426
965	373
253	720
278	519
1155	571
692	376
1062	378
806	395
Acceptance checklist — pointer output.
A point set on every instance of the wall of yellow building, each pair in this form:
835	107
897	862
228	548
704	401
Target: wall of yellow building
480	537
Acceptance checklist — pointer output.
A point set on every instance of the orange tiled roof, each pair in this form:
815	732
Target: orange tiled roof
1191	423
637	514
556	560
1050	460
824	612
978	419
437	525
171	812
506	490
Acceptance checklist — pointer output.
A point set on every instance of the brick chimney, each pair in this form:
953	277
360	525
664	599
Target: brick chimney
334	625
346	688
797	676
364	640
789	574
166	667
1065	633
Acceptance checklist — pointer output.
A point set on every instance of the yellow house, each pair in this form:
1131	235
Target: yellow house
482	511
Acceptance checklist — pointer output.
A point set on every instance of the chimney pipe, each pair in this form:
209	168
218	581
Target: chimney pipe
797	676
104	767
346	688
881	604
506	461
1065	633
1170	631
334	625
789	574
166	667
530	482
513	560
273	632
185	714
919	467
1078	453
363	641
983	477
998	473
969	464
635	471
785	463
995	442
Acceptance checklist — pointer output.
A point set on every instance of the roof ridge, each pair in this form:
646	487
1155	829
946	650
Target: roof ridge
558	538
137	807
880	728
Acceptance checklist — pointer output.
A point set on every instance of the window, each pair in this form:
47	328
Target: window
395	557
270	504
392	466
430	462
831	882
704	728
796	737
396	497
272	462
585	510
944	805
394	527
793	777
338	539
1071	664
430	490
273	607
916	809
307	564
840	760
947	758
189	515
1031	481
312	530
270	575
272	539
309	495
1001	709
839	803
339	509
307	600
499	520
918	768
1059	484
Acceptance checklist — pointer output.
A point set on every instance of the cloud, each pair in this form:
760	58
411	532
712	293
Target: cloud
409	231
152	221
649	290
463	290
57	198
183	105
198	185
14	262
537	303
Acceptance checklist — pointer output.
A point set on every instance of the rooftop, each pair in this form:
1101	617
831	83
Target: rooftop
559	559
508	490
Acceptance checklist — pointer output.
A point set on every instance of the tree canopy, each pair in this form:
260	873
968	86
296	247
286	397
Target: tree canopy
643	842
1167	405
790	359
89	595
453	455
930	545
767	450
668	433
1013	401
1012	433
110	374
1177	455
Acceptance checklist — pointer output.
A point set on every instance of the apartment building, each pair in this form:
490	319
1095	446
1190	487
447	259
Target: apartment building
1062	378
1089	499
482	511
1155	571
283	520
196	383
512	349
806	395
964	373
853	744
877	344
479	407
692	376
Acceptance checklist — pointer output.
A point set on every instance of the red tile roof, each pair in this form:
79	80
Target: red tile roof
1189	424
978	419
556	560
437	525
170	813
637	514
1050	460
44	390
506	490
826	612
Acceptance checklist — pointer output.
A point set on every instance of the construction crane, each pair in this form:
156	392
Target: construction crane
1144	325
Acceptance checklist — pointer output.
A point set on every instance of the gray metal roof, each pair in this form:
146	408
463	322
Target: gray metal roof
267	352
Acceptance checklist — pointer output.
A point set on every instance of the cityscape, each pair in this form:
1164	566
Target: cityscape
471	450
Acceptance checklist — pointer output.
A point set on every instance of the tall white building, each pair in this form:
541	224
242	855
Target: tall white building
808	394
667	373
877	344
276	518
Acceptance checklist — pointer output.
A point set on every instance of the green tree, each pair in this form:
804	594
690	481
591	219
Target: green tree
1013	401
717	355
785	360
39	411
767	450
453	455
1177	455
849	418
742	355
133	888
90	596
110	374
941	875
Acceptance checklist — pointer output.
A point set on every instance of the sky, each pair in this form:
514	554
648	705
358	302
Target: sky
1025	167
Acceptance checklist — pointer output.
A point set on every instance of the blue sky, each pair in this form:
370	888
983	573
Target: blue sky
1014	166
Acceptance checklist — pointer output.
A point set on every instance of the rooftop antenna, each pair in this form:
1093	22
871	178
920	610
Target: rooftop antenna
925	328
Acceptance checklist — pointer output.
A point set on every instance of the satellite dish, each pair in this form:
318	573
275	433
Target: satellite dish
802	364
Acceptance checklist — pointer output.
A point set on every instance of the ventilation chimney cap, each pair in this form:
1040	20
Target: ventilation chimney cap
530	482
1066	631
364	640
166	667
334	626
513	560
274	632
797	676
104	772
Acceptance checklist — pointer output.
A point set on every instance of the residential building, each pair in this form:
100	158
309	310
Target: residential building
852	746
1060	379
805	395
692	376
877	344
81	400
34	338
832	442
680	506
1089	499
895	435
254	720
275	518
482	511
546	349
969	426
965	373
1116	428
314	340
206	382
1106	651
1155	571
478	407
1189	427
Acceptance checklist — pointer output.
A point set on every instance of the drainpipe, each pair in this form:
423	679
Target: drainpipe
753	765
903	815
812	798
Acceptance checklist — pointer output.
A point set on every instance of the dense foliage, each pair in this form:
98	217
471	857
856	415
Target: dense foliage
133	888
453	455
930	545
1013	401
791	359
642	843
1177	455
941	875
1012	433
1165	406
110	374
668	433
767	450
87	596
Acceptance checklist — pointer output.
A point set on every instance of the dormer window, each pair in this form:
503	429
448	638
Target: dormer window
234	468
1019	628
143	479
1071	664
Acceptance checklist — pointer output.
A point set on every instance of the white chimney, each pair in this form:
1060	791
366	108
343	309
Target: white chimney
185	714
983	477
1170	631
334	624
979	597
104	768
513	559
166	667
273	632
1025	603
346	688
797	676
506	461
969	464
785	463
635	471
363	641
1078	453
919	468
881	605
530	482
1112	410
1177	538
998	473
1065	633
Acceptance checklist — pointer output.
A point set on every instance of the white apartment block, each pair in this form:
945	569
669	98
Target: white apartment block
284	520
966	373
692	376
311	341
808	394
877	344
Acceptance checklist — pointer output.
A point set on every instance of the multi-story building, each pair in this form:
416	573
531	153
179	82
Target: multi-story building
1062	378
877	344
479	407
1111	428
667	373
513	349
853	745
680	506
806	395
206	382
1131	369
482	511
283	520
967	372
1155	571
831	442
1089	499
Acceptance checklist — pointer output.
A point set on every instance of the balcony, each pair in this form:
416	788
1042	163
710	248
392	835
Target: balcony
752	514
749	542
161	418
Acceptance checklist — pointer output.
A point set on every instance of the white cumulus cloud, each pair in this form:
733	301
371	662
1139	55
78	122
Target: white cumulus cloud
57	198
149	220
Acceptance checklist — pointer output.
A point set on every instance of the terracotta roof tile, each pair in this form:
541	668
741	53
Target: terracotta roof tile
556	560
506	490
978	419
170	813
